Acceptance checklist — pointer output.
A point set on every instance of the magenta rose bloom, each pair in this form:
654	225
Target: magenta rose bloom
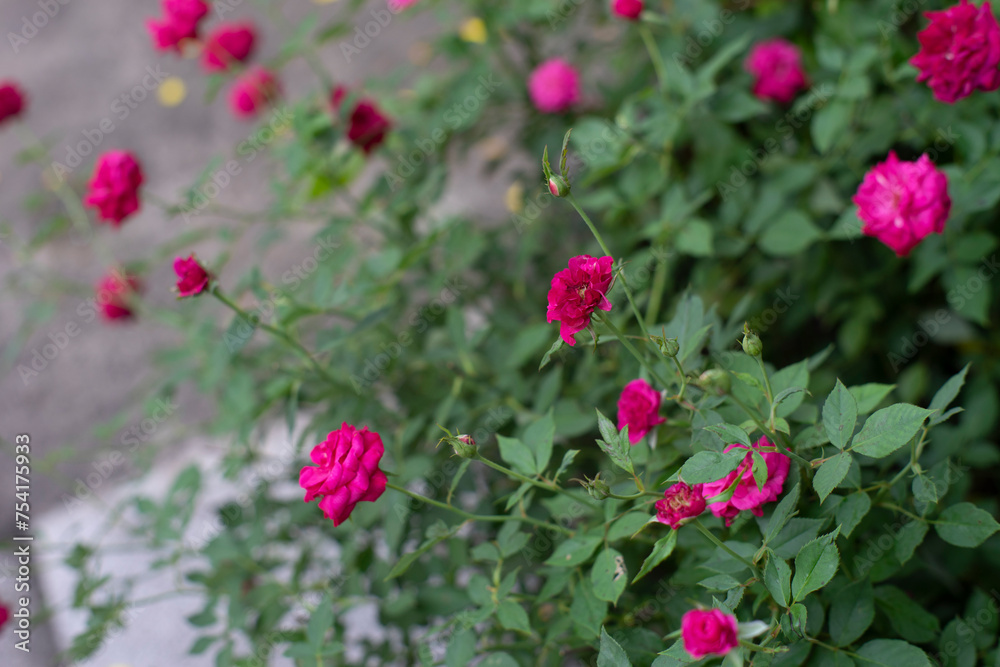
554	86
11	101
575	293
680	503
639	408
746	495
346	471
709	632
367	126
112	293
228	44
4	615
627	9
902	202
252	92
180	22
777	68
114	187
192	278
959	51
400	5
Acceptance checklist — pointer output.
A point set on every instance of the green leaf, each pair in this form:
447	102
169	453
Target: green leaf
538	439
500	659
909	537
730	434
556	346
567	461
831	473
790	234
587	611
612	654
695	238
891	653
840	413
517	454
782	513
889	429
513	617
609	576
708	466
908	618
614	444
852	610
946	394
815	565
830	124
320	621
574	551
851	511
778	578
461	649
868	396
661	551
965	525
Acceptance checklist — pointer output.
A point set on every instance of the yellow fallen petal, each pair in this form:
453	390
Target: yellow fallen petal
515	197
473	30
172	91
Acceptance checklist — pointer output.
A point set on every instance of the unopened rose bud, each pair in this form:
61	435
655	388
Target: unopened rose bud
464	446
668	346
597	487
558	186
751	343
715	379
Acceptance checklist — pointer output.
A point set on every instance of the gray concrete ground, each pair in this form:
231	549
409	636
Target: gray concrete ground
74	68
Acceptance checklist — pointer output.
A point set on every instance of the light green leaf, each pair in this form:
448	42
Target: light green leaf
710	466
782	513
513	617
609	576
538	439
615	444
889	429
965	525
612	654
868	396
574	551
815	565
730	434
831	473
517	454
840	413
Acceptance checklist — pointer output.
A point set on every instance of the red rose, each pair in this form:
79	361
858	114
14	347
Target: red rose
639	408
112	293
680	503
180	22
777	67
114	187
627	9
11	101
367	126
959	51
346	471
228	44
253	91
709	632
575	293
192	278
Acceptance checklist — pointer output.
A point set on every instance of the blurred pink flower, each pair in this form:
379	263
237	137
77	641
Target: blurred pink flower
959	51
554	86
639	408
114	186
777	67
254	90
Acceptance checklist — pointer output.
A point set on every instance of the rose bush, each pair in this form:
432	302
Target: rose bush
815	494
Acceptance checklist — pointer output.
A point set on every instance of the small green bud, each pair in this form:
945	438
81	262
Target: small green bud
464	446
751	343
558	186
597	487
668	346
715	379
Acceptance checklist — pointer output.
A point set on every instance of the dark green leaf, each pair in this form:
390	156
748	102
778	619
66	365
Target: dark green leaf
831	473
840	413
889	429
965	525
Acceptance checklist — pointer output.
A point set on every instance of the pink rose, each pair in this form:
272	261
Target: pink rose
367	126
251	92
575	293
554	86
11	100
746	495
638	408
627	9
180	22
902	202
709	632
192	278
228	44
347	471
113	292
4	615
680	503
777	67
959	51
114	186
400	5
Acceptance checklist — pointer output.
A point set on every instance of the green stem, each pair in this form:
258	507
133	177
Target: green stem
717	542
281	335
656	293
631	348
680	371
767	387
533	482
477	517
655	56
